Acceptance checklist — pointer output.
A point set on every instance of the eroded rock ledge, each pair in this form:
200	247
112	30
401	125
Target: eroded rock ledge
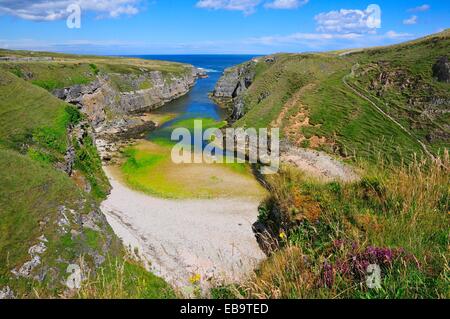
230	89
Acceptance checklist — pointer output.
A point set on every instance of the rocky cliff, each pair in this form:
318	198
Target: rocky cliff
230	89
120	94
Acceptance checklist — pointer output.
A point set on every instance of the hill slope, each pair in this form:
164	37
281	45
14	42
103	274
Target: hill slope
53	182
324	239
307	96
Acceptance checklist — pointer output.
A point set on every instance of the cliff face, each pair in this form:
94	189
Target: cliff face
120	94
231	87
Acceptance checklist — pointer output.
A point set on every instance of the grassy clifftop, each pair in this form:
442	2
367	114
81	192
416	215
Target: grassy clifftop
53	70
306	95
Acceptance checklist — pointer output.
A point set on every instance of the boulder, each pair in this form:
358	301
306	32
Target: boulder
441	70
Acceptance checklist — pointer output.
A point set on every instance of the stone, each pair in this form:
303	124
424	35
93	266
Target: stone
26	269
6	293
37	249
441	70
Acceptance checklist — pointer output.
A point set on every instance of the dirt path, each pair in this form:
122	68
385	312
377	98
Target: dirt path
319	165
183	238
379	110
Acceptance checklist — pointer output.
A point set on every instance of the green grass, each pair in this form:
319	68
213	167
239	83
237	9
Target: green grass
89	163
50	75
36	123
19	122
398	209
120	279
354	125
350	124
68	70
30	193
412	86
275	84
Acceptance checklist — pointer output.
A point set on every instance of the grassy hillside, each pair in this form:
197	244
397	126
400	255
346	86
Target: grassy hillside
49	220
36	123
322	237
306	96
383	105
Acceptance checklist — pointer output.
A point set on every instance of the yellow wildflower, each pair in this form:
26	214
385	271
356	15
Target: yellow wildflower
195	279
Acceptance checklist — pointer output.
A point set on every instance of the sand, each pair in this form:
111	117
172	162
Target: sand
212	238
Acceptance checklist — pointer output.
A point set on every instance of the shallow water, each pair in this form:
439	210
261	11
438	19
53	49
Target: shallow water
151	169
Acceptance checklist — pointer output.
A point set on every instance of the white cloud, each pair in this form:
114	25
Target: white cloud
396	35
44	10
410	21
422	8
246	6
350	20
336	40
285	4
249	6
297	42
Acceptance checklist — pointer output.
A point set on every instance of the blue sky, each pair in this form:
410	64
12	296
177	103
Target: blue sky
216	26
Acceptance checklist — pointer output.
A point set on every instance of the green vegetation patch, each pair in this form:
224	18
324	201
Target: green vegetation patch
125	279
395	217
89	163
353	124
28	112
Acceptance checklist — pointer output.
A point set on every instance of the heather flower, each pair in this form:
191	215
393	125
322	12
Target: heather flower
354	265
328	275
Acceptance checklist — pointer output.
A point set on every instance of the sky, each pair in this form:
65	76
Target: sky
134	27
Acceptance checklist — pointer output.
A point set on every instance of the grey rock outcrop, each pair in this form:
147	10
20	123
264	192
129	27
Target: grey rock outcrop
162	90
147	91
28	267
230	88
441	70
235	81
